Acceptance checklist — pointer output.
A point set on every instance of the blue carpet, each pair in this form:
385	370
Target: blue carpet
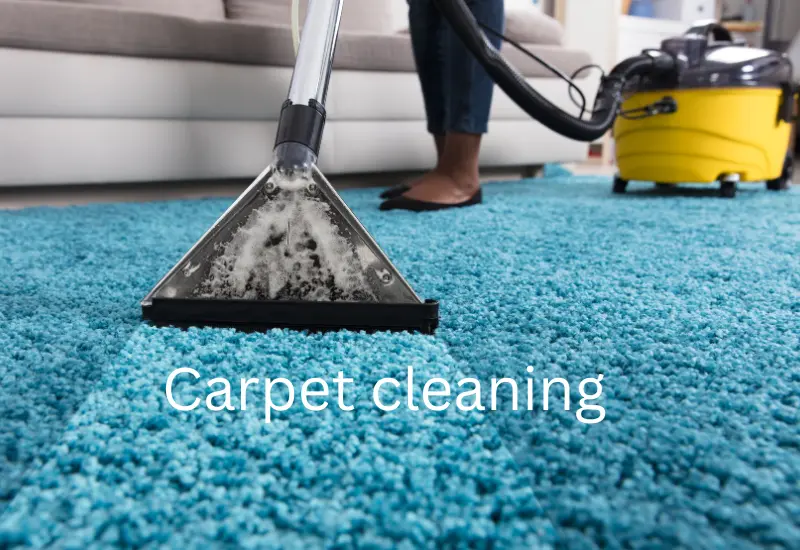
689	306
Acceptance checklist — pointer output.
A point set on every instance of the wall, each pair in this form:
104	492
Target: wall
734	7
794	55
594	26
788	21
787	24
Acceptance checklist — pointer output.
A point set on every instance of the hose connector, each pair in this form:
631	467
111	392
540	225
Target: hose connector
301	124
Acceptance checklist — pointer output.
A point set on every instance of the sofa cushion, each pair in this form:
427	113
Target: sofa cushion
374	16
198	9
61	26
529	25
273	11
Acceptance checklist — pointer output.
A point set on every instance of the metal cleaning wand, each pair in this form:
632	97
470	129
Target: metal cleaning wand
302	118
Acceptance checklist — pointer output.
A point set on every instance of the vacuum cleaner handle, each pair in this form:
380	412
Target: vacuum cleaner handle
712	30
608	99
302	119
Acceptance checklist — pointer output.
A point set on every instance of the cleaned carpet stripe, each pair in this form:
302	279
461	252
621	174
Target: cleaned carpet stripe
132	470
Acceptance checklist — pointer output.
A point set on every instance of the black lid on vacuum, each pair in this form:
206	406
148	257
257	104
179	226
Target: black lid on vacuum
708	57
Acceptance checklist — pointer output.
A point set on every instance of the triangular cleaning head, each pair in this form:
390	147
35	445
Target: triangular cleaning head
288	253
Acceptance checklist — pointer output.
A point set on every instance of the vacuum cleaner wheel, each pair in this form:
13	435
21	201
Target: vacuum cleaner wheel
785	180
727	189
620	185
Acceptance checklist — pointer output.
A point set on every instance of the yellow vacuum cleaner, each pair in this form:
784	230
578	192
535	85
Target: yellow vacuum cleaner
725	117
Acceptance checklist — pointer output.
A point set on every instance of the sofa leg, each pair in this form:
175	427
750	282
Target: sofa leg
532	171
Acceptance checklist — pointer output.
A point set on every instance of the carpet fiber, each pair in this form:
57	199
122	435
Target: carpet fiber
687	304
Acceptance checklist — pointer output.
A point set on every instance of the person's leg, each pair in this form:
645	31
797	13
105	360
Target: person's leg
469	91
426	27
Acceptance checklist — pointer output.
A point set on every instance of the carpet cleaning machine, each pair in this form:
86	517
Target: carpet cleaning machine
290	253
723	115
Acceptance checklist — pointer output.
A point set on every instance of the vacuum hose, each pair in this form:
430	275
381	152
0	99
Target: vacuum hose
608	99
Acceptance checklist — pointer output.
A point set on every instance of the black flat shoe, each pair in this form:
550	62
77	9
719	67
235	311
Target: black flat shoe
414	205
395	191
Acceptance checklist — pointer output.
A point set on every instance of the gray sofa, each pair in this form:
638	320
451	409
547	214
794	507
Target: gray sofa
104	91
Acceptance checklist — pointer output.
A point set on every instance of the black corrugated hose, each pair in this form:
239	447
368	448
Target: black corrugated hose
608	99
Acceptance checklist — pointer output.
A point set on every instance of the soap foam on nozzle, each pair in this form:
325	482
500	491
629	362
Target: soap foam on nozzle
288	249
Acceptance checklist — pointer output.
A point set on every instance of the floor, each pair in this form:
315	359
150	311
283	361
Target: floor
24	197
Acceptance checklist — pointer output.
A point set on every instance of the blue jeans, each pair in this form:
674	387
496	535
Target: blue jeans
456	89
